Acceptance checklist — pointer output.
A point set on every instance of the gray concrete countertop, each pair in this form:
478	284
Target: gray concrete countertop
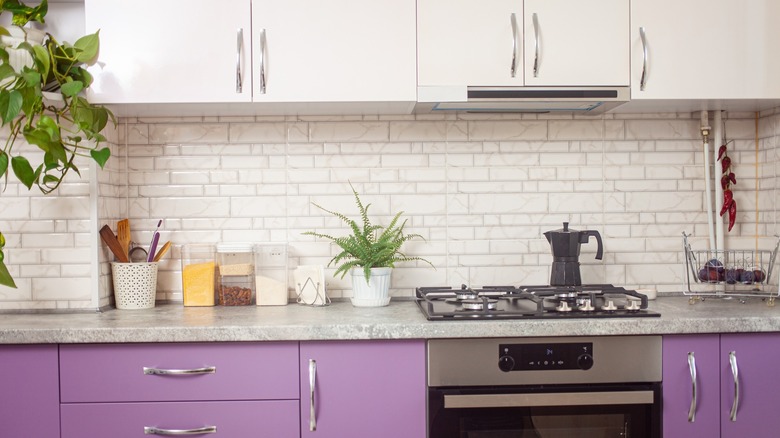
341	321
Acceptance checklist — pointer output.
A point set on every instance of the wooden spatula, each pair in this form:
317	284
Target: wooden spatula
113	244
123	235
162	251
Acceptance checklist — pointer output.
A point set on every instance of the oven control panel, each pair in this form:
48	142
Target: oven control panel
538	357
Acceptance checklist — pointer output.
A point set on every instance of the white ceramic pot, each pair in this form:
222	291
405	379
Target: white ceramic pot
375	292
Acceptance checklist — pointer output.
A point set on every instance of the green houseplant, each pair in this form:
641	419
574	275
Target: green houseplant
41	100
368	248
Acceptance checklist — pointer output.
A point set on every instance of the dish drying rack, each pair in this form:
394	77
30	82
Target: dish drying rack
730	273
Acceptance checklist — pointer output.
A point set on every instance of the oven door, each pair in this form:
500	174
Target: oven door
546	411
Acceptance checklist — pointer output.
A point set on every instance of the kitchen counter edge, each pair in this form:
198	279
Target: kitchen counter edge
342	321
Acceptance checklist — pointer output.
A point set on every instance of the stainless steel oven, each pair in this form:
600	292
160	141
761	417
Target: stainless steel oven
597	387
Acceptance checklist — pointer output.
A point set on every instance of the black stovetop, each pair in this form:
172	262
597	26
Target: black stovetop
531	302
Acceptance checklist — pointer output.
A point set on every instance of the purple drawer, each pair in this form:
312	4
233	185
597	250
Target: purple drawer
237	419
115	372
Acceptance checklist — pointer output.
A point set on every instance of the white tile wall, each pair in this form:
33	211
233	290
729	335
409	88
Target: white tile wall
480	188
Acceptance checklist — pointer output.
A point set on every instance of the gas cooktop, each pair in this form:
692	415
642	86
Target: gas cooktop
532	302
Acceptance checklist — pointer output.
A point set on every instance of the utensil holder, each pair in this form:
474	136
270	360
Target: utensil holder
135	285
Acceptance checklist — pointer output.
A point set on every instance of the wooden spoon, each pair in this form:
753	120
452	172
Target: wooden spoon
162	251
123	235
113	244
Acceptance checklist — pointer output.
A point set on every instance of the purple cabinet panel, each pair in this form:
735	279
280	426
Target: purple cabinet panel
364	389
677	386
29	391
114	372
238	419
757	358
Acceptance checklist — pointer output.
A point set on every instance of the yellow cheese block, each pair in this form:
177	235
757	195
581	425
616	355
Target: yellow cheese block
198	284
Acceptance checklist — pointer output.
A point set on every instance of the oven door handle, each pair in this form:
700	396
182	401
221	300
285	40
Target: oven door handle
457	401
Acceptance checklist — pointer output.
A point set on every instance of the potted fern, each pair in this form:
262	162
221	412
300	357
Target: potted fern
369	254
42	84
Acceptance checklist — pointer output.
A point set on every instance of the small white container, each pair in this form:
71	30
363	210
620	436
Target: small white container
135	285
271	276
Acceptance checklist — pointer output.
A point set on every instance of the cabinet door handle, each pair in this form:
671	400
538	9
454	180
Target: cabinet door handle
312	385
173	372
536	44
151	430
735	374
692	369
643	79
513	66
263	45
239	51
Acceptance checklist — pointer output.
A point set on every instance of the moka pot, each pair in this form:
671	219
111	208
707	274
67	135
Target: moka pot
565	244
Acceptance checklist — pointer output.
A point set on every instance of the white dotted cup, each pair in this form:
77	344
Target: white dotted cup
650	293
135	285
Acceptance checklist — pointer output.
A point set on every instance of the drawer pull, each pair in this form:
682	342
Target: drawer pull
167	372
151	430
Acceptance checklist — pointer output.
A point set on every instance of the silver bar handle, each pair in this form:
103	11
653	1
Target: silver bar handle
263	45
643	79
513	67
735	374
312	385
239	51
174	372
151	430
535	19
553	399
692	369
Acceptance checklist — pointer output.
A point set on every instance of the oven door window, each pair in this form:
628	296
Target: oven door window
559	413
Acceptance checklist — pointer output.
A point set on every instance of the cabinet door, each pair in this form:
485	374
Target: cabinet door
467	42
363	389
29	391
678	386
167	51
576	42
757	356
334	51
704	49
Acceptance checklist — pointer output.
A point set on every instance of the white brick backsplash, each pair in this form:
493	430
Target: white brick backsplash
481	188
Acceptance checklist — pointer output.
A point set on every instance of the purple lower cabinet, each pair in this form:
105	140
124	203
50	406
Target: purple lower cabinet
29	391
678	387
757	356
363	389
232	419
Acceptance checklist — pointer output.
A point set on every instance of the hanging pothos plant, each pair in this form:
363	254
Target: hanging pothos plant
41	99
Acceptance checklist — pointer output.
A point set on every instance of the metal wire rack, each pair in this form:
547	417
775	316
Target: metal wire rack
738	273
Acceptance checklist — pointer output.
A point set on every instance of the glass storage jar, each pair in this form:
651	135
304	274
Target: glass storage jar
271	274
198	272
236	274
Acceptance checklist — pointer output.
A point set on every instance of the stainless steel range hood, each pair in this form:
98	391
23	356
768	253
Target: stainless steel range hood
581	100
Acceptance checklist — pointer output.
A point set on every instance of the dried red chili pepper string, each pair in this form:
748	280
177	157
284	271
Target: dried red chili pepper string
726	180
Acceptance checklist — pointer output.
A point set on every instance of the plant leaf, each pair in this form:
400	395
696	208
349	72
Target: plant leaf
23	171
42	61
23	14
3	165
72	88
88	47
5	276
10	105
100	156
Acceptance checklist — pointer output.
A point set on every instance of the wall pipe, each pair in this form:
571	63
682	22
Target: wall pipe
705	133
718	140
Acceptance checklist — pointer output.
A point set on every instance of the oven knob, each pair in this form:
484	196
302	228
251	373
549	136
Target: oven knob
506	363
585	361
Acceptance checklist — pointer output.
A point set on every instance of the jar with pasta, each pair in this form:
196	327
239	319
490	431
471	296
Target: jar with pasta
236	274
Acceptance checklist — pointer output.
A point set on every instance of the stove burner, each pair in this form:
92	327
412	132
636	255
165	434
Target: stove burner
532	302
477	304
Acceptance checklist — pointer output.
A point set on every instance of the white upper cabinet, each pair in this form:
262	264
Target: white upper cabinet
292	51
333	51
495	43
705	49
582	43
171	51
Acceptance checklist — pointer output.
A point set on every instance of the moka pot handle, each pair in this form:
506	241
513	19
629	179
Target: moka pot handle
585	235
